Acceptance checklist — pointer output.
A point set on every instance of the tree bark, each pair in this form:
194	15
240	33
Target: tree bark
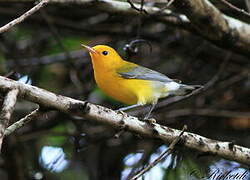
118	120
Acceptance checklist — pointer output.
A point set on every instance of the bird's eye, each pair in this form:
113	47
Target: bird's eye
105	53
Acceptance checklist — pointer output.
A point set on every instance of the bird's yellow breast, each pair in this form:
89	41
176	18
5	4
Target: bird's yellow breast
128	91
107	63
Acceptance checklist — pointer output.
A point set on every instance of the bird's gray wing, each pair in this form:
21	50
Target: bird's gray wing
139	72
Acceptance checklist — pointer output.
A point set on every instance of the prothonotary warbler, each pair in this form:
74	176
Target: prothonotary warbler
130	83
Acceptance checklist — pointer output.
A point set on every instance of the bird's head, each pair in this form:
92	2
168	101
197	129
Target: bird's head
104	56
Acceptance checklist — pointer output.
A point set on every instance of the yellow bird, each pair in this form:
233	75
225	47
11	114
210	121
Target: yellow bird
130	83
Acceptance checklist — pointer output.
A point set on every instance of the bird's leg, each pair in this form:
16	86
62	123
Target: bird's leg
129	107
150	111
122	128
120	110
146	118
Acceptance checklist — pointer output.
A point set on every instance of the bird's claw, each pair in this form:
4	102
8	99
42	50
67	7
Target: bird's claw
122	126
121	112
149	120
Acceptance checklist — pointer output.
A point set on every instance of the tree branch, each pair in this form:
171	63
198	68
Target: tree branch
206	112
216	27
24	16
235	8
34	114
161	157
117	120
119	7
6	112
201	18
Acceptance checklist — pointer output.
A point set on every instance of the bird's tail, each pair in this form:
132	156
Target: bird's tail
186	89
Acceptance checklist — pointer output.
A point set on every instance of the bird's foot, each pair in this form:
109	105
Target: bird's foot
150	121
122	127
121	112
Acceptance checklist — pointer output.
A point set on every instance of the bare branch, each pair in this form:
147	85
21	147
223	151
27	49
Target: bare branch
119	7
116	120
206	112
24	16
201	17
136	8
34	114
6	112
222	30
161	157
235	8
170	2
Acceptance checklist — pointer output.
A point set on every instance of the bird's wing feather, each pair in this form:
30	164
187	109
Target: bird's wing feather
139	72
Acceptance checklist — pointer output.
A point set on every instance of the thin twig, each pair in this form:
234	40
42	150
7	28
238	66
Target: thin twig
206	112
145	158
162	156
242	11
208	85
24	16
170	2
136	8
9	74
6	112
165	7
176	99
34	114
